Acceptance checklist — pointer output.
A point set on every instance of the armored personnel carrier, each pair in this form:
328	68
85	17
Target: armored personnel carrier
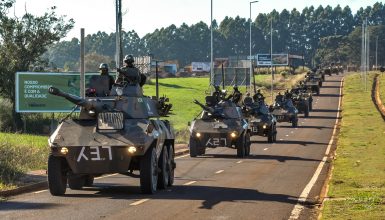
302	100
284	110
261	122
220	124
118	133
313	84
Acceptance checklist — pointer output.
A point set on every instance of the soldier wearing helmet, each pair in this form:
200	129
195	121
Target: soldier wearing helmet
103	67
129	73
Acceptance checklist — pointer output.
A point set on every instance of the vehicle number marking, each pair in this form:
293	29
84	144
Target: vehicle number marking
94	153
216	142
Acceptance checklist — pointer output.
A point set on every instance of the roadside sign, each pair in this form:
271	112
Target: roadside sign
32	91
278	60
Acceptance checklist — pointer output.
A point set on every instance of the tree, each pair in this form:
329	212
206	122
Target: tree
22	42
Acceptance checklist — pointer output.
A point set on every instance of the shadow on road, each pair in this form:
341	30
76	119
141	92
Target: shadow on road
329	95
209	195
323	117
326	110
13	205
305	126
333	81
330	87
261	157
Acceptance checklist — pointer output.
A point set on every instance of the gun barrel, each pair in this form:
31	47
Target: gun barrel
72	98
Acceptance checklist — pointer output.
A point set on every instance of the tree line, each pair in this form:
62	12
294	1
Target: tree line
322	35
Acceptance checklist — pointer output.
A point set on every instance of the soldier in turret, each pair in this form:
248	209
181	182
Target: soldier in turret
129	73
236	96
258	96
104	72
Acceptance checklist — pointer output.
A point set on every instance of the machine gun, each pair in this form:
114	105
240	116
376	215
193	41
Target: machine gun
214	111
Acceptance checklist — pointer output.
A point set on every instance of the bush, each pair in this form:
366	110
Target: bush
6	122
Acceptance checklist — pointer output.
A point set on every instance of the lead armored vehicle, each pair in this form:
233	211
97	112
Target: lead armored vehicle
118	133
261	121
220	124
284	110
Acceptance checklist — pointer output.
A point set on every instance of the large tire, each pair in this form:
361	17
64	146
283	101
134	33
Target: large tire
240	145
76	182
164	175
306	112
248	144
57	178
193	147
294	122
275	134
89	180
317	90
171	165
311	105
149	172
270	134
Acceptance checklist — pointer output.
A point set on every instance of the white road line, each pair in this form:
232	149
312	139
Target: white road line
181	156
287	135
189	183
219	171
266	149
240	161
295	213
292	131
139	202
296	128
37	192
281	139
100	177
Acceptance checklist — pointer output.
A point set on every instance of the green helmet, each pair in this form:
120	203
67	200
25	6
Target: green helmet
128	58
103	66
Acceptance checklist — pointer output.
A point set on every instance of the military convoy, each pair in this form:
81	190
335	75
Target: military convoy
118	133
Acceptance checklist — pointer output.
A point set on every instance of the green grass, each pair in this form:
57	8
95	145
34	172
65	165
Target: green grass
359	170
382	88
20	153
182	92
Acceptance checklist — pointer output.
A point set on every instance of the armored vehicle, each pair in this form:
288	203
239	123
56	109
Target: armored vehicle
118	133
284	110
312	84
220	124
302	100
261	122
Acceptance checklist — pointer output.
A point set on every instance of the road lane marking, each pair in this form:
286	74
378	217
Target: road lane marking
292	131
219	171
281	139
265	148
287	135
37	192
139	202
240	161
181	156
295	213
105	176
189	183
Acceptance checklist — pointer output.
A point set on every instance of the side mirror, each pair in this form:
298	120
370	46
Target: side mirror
150	128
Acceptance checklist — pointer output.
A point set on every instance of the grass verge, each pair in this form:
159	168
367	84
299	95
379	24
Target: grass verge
382	87
20	153
358	181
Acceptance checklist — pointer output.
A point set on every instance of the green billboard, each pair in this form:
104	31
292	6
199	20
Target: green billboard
32	91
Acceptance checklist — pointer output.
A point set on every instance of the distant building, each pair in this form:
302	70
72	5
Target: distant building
200	67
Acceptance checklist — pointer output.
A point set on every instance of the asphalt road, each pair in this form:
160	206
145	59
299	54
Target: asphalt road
265	185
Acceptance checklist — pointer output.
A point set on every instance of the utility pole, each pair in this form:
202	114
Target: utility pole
251	63
119	50
82	69
271	59
211	49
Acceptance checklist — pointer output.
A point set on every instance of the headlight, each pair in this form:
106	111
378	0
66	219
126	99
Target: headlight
233	134
198	135
64	150
119	91
264	126
131	149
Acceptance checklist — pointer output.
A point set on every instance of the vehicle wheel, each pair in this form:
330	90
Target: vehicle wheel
310	105
306	112
317	90
241	146
248	144
76	182
193	147
164	175
270	135
149	172
323	77
294	123
89	180
320	84
275	134
57	178
171	165
201	150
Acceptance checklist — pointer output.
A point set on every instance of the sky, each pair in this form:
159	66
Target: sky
144	16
